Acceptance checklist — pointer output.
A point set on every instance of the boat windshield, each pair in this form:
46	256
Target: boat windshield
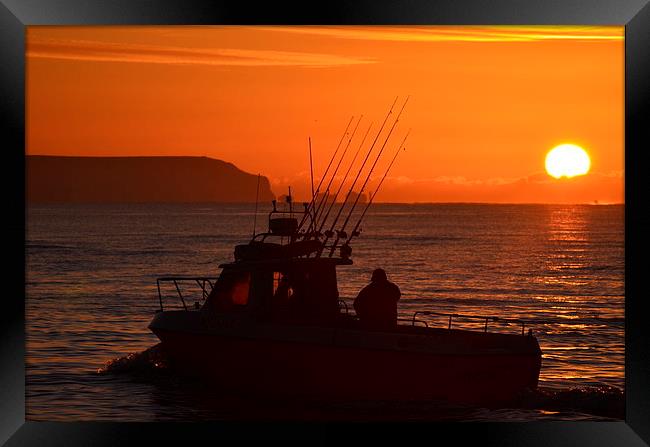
230	291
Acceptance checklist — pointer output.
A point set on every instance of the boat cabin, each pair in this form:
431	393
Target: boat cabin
293	290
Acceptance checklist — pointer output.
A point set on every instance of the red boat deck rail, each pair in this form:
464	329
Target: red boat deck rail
451	316
200	281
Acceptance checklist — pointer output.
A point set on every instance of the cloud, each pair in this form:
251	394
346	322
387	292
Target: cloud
462	33
99	51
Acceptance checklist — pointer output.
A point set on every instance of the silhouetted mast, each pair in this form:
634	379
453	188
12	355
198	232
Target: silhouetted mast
341	232
399	149
311	203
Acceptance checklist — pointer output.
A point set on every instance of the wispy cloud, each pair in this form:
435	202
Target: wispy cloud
461	33
100	51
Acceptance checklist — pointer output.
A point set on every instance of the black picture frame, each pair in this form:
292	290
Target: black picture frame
15	15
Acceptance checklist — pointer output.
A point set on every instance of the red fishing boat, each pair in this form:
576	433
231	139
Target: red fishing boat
309	345
304	342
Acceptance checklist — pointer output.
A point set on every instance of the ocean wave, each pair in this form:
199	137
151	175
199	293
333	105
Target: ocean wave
600	400
414	238
50	248
511	292
46	245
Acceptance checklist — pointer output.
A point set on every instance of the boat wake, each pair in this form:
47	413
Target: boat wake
602	400
149	361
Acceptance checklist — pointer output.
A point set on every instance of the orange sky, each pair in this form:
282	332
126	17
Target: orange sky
486	103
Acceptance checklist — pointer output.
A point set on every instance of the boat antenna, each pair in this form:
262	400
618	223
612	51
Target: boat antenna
356	227
257	197
323	201
345	177
311	203
341	232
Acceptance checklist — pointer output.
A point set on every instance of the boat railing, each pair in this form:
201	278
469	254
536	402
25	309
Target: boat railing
202	282
452	316
413	321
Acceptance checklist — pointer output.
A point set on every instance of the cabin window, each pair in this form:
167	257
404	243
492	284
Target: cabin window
239	290
231	290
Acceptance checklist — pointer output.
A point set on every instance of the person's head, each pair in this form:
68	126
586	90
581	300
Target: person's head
378	275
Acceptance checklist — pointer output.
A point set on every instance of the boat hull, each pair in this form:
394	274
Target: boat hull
356	369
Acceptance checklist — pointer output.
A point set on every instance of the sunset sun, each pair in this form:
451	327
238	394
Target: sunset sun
567	160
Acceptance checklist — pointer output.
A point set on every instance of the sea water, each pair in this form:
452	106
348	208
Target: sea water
91	292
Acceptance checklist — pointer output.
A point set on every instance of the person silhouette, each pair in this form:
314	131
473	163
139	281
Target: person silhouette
284	292
376	304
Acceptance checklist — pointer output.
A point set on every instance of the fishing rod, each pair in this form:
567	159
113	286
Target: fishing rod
311	169
356	227
347	196
323	201
341	232
313	198
311	173
311	203
345	177
329	233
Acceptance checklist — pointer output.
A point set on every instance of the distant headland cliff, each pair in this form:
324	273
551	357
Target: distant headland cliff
52	179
